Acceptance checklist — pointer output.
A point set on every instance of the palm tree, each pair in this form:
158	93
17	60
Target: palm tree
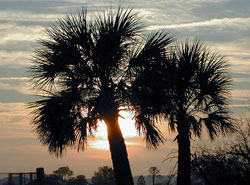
190	88
81	72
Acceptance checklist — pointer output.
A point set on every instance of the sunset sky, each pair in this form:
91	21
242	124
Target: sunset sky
223	25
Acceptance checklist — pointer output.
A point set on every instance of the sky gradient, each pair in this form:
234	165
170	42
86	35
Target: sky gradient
223	25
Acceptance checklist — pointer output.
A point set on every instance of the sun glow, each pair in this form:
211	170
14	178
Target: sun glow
127	127
103	144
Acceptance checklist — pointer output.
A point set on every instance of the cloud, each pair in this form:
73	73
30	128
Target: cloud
238	48
12	71
240	94
37	6
11	16
16	89
21	33
16	45
15	78
240	84
220	9
18	84
237	53
241	23
15	58
14	96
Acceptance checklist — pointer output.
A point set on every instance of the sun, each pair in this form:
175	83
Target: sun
126	124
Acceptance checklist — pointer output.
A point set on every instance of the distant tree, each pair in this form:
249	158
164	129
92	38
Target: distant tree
79	180
141	180
104	176
63	176
154	172
63	172
53	179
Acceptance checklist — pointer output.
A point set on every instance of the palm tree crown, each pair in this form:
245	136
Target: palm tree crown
80	69
191	80
200	90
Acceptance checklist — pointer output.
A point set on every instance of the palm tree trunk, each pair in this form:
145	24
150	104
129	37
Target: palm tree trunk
118	151
184	155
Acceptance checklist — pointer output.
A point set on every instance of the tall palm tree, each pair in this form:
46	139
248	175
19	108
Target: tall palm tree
190	88
81	69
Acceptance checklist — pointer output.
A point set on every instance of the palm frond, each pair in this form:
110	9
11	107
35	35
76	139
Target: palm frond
114	32
172	122
146	126
195	126
66	53
59	122
219	122
152	52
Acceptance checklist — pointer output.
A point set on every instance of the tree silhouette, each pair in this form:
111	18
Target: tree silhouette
104	176
141	180
82	71
53	179
63	176
189	88
63	172
79	180
154	172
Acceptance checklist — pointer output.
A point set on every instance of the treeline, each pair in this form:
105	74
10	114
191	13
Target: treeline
103	176
64	176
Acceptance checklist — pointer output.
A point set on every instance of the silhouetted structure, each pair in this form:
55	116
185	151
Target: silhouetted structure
28	178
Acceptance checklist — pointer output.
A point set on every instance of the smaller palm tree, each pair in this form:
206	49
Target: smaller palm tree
190	88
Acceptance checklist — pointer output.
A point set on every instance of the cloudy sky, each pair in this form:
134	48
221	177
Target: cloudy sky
224	25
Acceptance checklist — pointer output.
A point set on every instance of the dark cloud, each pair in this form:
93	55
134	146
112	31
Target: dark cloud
37	6
242	85
236	101
240	75
13	71
27	23
12	96
17	46
221	9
